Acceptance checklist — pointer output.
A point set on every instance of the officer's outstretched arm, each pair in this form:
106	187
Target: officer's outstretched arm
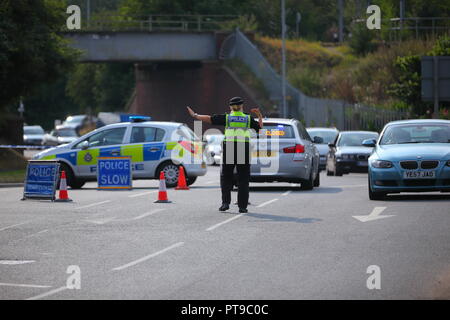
201	117
260	117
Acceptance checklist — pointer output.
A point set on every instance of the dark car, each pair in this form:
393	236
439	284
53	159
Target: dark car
347	154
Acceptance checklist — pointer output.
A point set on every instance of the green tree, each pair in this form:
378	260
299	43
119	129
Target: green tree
31	51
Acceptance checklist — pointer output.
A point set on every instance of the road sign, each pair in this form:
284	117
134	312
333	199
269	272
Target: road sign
41	179
435	80
114	173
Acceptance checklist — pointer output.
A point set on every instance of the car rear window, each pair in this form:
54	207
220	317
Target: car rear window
272	130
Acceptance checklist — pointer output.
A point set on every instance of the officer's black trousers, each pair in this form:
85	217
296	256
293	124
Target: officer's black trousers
226	183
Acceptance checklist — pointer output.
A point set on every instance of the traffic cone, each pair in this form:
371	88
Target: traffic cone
63	195
182	185
162	194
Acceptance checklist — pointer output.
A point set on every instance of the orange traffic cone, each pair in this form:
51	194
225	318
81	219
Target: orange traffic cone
162	194
182	185
63	195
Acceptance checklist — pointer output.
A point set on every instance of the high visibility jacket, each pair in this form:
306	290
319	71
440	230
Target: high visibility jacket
237	127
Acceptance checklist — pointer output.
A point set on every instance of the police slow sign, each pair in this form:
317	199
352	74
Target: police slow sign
41	179
114	173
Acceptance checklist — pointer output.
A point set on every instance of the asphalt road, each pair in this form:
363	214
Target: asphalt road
292	244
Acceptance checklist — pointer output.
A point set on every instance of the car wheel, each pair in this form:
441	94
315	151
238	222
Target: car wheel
308	184
373	195
317	180
338	171
72	181
171	173
190	180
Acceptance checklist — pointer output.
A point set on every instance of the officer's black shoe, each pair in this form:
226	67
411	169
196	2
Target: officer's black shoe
224	207
242	210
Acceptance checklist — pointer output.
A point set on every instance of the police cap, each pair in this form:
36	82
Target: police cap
236	101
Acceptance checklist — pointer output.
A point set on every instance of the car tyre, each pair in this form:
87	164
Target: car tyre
308	184
338	172
171	173
373	195
317	180
190	180
72	181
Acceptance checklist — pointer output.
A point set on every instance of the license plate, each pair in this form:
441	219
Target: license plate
419	174
264	153
362	163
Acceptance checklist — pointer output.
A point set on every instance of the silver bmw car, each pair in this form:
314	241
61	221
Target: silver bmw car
283	151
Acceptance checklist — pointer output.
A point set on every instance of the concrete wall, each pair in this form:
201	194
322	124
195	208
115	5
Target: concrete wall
163	90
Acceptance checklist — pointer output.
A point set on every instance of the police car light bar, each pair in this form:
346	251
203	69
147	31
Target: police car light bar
139	118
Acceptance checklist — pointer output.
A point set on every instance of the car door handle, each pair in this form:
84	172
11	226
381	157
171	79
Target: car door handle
154	149
115	153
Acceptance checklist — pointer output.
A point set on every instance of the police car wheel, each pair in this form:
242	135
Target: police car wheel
190	180
71	180
171	173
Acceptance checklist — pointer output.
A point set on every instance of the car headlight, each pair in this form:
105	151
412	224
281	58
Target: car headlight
381	164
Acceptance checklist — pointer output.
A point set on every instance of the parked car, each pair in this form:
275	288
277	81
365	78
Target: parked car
410	156
347	154
33	135
328	135
82	123
60	136
153	147
213	149
284	152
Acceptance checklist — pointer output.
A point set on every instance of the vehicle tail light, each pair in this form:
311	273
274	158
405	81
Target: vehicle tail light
298	148
189	146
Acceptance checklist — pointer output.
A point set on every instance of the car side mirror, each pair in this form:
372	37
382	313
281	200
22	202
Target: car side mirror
84	145
318	140
370	143
331	145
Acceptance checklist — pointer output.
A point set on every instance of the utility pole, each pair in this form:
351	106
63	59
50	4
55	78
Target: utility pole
88	11
283	57
402	13
341	20
297	20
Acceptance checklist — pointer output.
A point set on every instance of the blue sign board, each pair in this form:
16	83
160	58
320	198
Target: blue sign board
114	173
41	179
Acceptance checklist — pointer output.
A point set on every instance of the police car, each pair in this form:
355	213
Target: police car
153	147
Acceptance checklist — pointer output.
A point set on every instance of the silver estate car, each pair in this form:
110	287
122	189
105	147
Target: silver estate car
284	152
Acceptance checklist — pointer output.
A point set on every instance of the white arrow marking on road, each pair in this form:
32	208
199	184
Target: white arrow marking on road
374	215
15	262
103	221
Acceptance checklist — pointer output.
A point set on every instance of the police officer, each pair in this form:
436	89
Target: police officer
235	149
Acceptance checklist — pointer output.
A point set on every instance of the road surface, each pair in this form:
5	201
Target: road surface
329	243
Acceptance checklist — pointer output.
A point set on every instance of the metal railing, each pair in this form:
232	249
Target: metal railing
178	23
312	111
414	27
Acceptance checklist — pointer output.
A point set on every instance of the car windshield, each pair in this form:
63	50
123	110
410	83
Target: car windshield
74	119
355	139
67	133
277	130
416	133
328	136
33	131
214	139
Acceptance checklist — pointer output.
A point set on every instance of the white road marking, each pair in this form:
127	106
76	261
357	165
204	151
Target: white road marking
210	182
223	222
101	221
142	194
374	215
286	193
23	285
15	262
15	225
49	293
147	214
349	186
93	204
179	244
266	203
